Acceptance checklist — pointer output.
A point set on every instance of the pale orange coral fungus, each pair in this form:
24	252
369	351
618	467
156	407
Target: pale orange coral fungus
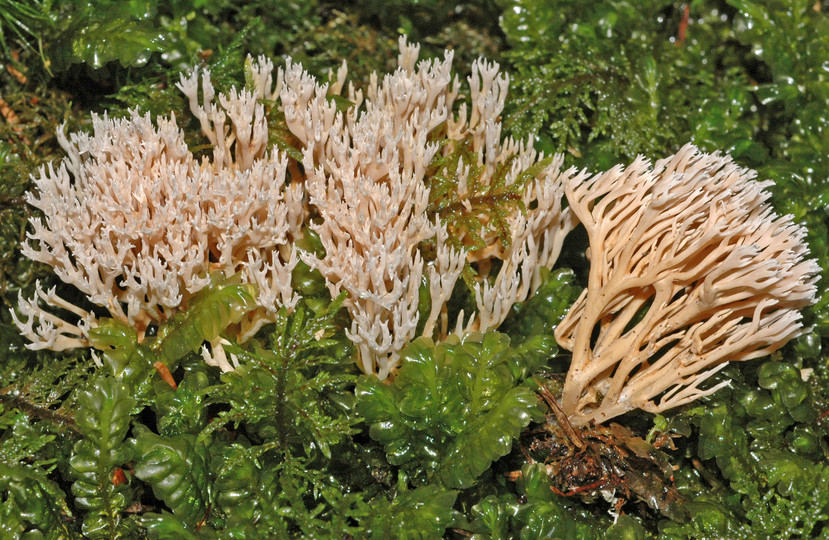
689	269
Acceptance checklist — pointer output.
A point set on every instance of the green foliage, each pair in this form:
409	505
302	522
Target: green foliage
532	323
100	32
279	498
771	451
176	467
281	401
485	209
245	490
611	79
19	21
103	418
423	512
419	17
222	452
32	504
24	441
30	499
222	303
182	410
41	390
123	357
542	514
790	38
37	430
452	410
283	394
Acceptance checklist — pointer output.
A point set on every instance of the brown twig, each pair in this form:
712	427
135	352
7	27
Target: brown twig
563	422
21	78
580	489
683	26
165	374
8	114
37	411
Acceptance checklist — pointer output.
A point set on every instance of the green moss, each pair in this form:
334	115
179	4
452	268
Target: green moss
283	446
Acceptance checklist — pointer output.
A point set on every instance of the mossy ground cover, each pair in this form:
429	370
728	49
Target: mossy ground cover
296	442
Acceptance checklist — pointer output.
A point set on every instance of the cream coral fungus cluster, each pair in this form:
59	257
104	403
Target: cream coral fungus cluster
689	266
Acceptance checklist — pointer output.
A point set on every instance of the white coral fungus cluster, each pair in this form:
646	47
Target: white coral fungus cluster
690	268
135	222
366	172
